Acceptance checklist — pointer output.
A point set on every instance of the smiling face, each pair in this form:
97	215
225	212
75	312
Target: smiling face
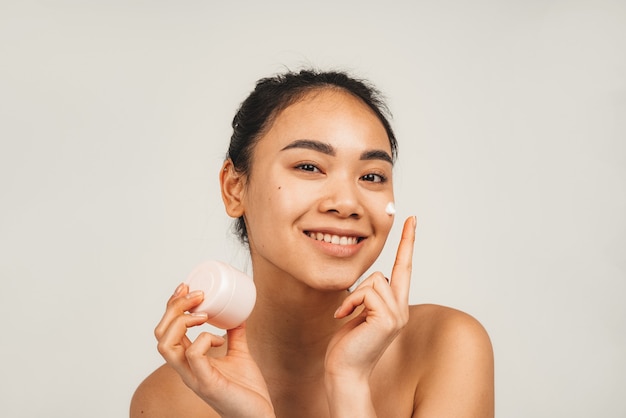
314	201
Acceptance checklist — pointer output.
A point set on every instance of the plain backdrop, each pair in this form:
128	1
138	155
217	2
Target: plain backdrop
115	118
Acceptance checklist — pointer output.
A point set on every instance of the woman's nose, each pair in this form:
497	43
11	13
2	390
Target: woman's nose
342	198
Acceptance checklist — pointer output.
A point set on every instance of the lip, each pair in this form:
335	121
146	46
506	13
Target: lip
336	250
342	232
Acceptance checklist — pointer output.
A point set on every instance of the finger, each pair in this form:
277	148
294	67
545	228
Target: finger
201	346
174	341
403	265
380	283
176	307
377	298
369	281
237	340
197	355
181	290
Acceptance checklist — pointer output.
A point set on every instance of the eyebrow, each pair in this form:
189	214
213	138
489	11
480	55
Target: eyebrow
377	154
328	149
311	144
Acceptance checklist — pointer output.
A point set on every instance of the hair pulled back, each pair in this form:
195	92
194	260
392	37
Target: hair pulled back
273	94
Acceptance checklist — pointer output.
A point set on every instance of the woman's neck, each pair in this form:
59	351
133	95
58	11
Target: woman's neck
291	326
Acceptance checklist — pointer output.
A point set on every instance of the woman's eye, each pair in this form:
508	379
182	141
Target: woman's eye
374	178
308	167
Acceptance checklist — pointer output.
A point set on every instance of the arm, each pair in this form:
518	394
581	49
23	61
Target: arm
357	347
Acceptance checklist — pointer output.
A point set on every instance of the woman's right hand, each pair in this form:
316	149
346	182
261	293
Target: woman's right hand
233	384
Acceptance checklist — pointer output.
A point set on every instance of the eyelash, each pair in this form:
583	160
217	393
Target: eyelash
308	167
379	178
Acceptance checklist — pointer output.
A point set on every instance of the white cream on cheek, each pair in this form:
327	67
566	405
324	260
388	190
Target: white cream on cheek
390	209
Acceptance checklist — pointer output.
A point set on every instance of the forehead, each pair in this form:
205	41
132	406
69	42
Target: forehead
329	115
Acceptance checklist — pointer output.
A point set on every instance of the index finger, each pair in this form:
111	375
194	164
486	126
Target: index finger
402	267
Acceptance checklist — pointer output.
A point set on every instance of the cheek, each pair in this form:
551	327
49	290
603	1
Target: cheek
290	200
272	202
379	208
383	222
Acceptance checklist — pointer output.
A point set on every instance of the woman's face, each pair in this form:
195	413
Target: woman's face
322	172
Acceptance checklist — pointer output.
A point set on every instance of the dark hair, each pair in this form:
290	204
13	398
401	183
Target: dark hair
273	94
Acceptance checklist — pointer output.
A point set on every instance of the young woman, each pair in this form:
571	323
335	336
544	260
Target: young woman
308	176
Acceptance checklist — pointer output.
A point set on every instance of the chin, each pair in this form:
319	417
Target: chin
334	279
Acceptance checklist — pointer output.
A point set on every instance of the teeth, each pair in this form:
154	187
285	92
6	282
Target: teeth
333	239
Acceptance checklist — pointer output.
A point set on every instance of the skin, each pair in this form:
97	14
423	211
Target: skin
310	348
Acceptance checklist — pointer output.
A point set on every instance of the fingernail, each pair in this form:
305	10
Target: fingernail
199	314
414	221
337	312
194	294
179	289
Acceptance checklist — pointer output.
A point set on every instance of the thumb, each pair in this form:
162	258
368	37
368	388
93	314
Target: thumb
237	339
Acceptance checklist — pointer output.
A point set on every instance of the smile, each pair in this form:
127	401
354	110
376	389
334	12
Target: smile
334	239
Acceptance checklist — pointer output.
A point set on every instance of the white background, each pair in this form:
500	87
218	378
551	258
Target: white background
115	117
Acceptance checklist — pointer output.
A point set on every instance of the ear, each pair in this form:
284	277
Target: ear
232	184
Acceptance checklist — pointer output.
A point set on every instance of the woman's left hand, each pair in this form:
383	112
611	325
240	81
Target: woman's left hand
356	348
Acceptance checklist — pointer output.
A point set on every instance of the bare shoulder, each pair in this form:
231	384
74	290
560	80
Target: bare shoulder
444	324
456	363
164	395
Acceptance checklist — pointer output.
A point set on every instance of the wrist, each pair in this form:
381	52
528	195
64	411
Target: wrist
349	396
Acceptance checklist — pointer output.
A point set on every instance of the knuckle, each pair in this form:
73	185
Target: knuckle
192	353
395	322
403	321
388	322
403	317
382	280
391	324
161	348
173	303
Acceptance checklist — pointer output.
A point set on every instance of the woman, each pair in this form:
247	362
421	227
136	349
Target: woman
308	176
